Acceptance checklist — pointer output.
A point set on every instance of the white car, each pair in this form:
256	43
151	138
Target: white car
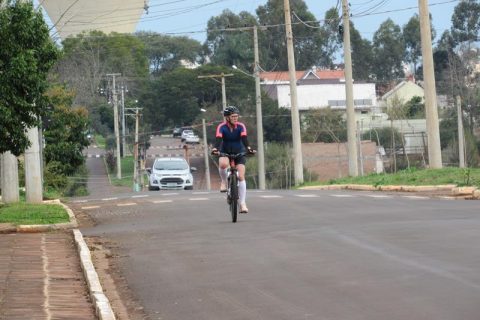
192	139
170	173
186	133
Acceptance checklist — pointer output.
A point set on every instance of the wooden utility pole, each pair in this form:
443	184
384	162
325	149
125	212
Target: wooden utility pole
258	99
461	137
115	124
433	131
351	125
296	136
222	75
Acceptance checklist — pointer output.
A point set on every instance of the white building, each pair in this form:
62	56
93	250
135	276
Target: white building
319	89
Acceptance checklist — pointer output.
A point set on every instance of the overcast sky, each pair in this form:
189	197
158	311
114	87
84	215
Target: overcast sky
188	15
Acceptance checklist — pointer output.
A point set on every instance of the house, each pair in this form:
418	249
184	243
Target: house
404	92
318	88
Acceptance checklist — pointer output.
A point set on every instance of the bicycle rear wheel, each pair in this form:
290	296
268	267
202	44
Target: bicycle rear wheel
233	197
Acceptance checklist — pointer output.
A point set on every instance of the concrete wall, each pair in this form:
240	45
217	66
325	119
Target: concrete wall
330	160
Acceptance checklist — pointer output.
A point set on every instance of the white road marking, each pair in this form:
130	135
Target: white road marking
108	199
201	192
141	196
162	201
198	199
272	196
415	197
342	195
377	196
307	195
79	201
90	207
448	198
170	194
126	204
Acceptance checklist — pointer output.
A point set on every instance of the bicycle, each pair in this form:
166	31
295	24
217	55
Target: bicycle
232	183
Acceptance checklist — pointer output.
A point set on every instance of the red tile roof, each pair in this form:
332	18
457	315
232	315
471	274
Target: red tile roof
283	75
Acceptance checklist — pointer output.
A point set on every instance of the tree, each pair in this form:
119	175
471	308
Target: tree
26	57
324	125
89	57
362	55
413	43
166	53
231	47
466	22
310	42
65	135
388	48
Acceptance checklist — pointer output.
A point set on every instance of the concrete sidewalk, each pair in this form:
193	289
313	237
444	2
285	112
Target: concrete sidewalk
41	278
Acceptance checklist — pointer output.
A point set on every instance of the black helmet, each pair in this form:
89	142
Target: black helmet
230	110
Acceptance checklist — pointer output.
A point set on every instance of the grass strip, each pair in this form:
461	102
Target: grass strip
25	213
414	177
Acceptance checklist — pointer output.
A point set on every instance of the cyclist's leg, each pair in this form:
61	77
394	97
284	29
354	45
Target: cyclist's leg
223	163
242	188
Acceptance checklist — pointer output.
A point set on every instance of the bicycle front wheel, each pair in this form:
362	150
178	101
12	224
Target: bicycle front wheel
234	197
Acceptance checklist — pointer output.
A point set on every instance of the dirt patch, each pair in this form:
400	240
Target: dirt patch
115	287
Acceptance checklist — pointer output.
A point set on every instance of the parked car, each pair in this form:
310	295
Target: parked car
170	173
192	139
186	133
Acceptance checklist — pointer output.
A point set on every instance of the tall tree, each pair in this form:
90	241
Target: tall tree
362	55
413	44
388	48
466	21
310	42
26	57
87	58
166	52
231	47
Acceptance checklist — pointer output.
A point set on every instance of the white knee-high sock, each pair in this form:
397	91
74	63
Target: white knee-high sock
223	174
242	191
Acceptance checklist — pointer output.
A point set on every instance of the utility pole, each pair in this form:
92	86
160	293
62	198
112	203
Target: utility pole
205	155
222	75
258	99
351	125
461	137
9	176
124	145
136	181
115	124
433	131
33	176
296	136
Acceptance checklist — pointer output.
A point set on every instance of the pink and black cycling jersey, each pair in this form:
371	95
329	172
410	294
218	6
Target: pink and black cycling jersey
231	140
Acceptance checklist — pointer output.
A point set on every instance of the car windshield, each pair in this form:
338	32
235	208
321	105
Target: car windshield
171	165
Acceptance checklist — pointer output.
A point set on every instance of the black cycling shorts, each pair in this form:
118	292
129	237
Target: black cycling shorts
240	160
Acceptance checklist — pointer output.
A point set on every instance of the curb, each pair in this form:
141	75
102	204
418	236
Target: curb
100	301
466	192
34	228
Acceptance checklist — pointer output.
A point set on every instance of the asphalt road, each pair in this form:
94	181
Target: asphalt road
296	255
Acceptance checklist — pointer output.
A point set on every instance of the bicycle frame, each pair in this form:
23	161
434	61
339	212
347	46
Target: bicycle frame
232	188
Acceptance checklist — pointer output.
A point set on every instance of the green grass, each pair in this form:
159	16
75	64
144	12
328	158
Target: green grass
100	141
23	213
127	173
415	177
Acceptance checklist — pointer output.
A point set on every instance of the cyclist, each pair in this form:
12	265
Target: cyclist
231	137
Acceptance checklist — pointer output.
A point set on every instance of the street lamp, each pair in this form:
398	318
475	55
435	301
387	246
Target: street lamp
258	99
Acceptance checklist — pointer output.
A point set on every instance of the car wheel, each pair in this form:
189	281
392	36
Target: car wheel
151	188
189	188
